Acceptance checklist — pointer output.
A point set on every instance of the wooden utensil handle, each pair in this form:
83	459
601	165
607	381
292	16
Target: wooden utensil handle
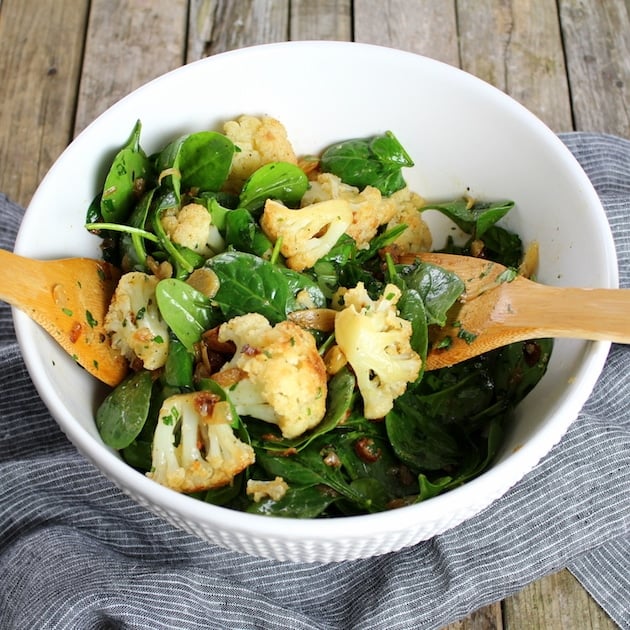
596	314
20	281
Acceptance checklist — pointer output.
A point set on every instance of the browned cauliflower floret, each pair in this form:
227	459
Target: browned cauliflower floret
417	237
369	208
308	233
274	489
207	455
276	374
134	323
260	140
192	227
376	342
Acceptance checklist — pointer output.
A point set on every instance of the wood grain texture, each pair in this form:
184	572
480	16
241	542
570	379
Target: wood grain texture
41	45
597	43
216	26
425	27
557	601
324	20
486	618
517	47
127	45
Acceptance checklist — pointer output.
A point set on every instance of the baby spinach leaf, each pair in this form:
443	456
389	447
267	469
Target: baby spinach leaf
200	160
432	487
133	245
126	178
217	212
178	371
388	150
520	366
378	242
205	160
121	416
298	283
474	218
327	271
339	401
225	494
187	312
283	181
243	233
93	212
369	456
311	466
375	161
298	502
419	440
473	464
294	470
503	246
429	432
250	284
438	288
412	308
138	454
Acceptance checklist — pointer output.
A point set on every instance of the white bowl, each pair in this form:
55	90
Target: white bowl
463	134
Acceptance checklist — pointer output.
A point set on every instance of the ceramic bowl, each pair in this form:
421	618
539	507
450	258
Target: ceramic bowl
464	136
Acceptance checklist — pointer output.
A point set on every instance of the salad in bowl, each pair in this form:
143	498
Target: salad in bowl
276	322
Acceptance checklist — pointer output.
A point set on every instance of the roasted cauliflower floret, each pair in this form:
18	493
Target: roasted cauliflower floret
308	233
369	208
192	227
376	343
417	237
274	489
134	323
260	140
276	374
208	453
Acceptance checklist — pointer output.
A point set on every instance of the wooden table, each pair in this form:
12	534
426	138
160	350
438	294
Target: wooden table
62	62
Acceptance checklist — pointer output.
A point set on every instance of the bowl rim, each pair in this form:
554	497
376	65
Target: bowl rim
512	469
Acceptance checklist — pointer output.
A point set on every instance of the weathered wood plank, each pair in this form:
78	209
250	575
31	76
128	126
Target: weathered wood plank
219	25
128	44
597	43
324	20
40	61
425	27
487	618
516	46
558	601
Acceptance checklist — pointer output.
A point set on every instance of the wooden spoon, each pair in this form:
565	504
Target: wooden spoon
498	308
69	299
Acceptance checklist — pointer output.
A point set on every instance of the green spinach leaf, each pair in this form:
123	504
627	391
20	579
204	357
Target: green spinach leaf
187	312
199	161
438	288
126	179
250	284
298	502
121	416
244	234
475	218
282	181
375	161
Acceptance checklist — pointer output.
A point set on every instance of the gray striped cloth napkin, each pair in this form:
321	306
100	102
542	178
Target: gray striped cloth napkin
76	553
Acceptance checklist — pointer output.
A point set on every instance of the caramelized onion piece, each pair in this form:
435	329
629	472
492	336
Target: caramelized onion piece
315	319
